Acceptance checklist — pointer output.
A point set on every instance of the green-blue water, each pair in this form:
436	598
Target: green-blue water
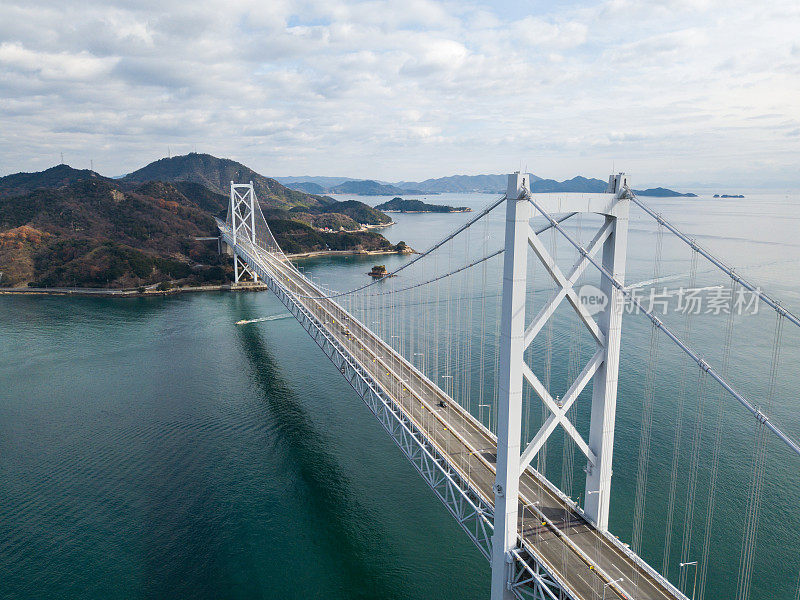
151	448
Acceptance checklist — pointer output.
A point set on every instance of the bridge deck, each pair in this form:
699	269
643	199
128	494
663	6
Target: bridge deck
549	526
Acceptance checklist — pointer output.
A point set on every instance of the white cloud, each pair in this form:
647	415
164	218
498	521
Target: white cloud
675	90
47	66
539	32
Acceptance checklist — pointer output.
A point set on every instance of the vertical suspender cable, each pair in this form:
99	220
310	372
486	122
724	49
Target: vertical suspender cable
548	362
459	341
568	449
647	415
693	470
673	480
726	353
754	499
411	325
468	337
448	325
495	378
482	339
436	326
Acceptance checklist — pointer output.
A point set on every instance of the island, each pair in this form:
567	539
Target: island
397	204
728	196
664	193
154	230
379	272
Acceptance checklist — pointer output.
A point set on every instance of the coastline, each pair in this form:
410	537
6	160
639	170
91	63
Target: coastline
367	226
135	293
346	253
426	212
152	291
128	292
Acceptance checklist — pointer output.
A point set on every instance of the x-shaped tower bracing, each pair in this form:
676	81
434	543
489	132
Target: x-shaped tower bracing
602	369
243	224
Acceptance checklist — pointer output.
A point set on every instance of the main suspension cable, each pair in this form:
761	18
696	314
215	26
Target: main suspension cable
759	415
771	302
433	248
561	219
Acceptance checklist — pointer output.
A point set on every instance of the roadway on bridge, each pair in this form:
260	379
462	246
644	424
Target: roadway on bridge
550	527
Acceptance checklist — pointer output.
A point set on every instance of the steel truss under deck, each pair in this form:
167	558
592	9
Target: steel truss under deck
529	578
524	568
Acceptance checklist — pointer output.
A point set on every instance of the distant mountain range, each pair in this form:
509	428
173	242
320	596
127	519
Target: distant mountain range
453	184
322	182
370	187
72	227
366	187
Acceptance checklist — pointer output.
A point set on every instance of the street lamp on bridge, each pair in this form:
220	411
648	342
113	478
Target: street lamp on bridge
423	359
686	564
450	377
480	414
605	585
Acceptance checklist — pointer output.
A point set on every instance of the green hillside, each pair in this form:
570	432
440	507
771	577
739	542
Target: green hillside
69	228
95	233
217	173
294	238
54	177
357	211
418	206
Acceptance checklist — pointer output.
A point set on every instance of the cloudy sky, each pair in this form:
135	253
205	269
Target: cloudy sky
676	92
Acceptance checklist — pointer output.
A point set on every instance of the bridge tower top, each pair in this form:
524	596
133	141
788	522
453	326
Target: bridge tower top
617	183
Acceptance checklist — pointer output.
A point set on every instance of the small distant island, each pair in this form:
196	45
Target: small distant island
664	193
728	196
379	272
397	204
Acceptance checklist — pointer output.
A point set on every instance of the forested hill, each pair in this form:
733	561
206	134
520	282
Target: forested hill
69	228
358	211
94	233
217	173
369	188
418	206
54	177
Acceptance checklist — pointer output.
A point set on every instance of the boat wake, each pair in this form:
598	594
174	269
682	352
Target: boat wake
262	319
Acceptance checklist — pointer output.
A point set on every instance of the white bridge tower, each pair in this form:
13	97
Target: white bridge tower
241	219
602	369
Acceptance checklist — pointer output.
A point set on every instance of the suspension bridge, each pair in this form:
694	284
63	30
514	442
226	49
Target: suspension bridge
463	412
